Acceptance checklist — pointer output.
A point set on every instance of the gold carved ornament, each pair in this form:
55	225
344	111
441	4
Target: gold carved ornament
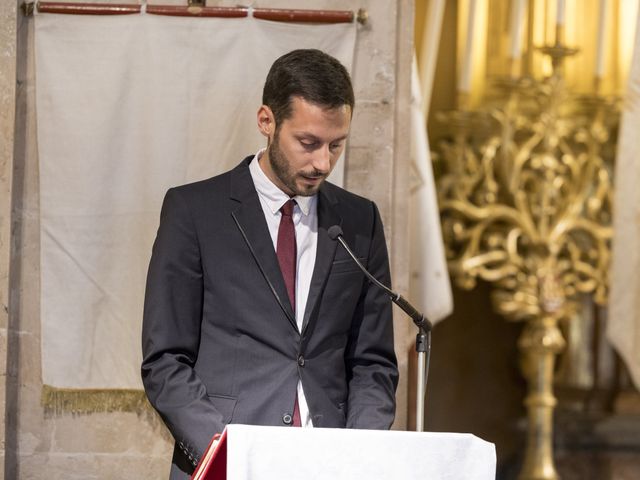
525	196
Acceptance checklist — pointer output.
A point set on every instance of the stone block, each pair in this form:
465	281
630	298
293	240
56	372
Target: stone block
123	433
58	466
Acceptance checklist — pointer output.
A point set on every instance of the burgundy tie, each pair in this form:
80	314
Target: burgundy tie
287	254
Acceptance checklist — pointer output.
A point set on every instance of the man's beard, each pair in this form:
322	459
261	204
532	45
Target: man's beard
281	167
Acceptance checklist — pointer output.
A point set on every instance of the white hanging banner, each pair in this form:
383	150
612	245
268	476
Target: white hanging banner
430	285
623	329
128	106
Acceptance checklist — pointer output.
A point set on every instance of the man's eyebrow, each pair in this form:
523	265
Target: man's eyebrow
311	136
307	135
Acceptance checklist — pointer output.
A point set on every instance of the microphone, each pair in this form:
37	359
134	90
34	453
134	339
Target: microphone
335	233
423	338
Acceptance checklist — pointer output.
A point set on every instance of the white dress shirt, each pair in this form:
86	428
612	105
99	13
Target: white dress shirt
305	221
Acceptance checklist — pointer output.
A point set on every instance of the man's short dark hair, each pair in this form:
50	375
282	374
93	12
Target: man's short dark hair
311	74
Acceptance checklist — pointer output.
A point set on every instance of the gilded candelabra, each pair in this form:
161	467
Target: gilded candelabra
525	198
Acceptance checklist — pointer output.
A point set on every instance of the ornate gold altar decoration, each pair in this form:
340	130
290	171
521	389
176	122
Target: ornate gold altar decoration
525	197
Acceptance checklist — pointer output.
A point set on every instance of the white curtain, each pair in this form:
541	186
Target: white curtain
430	285
128	106
623	328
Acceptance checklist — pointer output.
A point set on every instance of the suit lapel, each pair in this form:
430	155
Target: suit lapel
325	252
249	218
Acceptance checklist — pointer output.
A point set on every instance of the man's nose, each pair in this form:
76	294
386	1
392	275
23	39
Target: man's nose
322	159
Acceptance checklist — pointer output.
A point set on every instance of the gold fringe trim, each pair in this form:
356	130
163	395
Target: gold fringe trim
84	401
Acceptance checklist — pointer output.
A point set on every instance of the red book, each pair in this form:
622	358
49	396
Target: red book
213	464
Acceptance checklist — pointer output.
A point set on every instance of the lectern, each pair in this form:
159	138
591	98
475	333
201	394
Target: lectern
277	453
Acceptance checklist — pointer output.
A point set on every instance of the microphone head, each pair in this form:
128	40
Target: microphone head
334	232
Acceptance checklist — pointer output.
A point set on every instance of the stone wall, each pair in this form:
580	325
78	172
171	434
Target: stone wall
40	444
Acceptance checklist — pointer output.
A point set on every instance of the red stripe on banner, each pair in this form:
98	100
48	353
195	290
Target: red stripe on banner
273	14
312	16
193	11
88	8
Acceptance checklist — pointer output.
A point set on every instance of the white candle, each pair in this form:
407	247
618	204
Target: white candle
465	74
560	13
429	54
602	28
516	27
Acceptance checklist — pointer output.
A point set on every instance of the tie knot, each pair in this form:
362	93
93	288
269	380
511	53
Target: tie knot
287	208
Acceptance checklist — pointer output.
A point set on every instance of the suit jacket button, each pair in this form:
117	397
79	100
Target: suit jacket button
301	360
287	419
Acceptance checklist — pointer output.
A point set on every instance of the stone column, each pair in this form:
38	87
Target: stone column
8	13
380	143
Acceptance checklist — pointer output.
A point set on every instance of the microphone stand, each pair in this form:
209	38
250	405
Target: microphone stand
423	338
423	349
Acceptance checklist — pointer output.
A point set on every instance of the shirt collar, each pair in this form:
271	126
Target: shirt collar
270	193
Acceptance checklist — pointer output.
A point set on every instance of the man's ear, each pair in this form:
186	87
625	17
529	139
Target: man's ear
266	121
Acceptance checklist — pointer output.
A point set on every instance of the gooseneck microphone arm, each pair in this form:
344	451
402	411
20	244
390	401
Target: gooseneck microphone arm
335	233
423	338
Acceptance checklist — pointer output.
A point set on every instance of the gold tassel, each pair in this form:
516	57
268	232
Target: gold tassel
83	401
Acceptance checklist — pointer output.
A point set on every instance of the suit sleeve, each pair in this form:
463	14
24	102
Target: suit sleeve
370	359
171	331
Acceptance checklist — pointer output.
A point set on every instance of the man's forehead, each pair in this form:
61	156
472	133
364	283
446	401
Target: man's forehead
298	102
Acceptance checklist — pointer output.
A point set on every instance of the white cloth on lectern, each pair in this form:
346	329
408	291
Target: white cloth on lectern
128	106
274	453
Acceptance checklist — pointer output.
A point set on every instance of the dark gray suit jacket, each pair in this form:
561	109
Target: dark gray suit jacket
220	342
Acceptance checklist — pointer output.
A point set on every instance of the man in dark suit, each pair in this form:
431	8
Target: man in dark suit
252	314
